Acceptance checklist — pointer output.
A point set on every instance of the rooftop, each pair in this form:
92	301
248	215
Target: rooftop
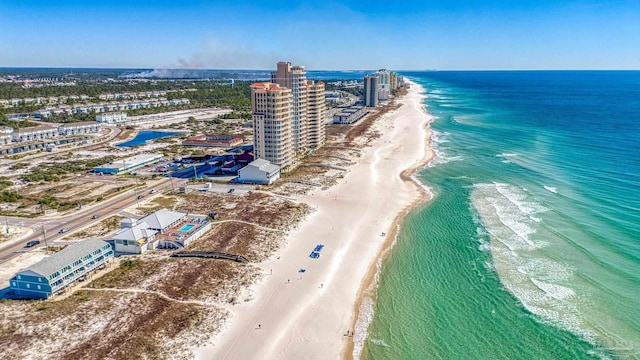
65	257
162	218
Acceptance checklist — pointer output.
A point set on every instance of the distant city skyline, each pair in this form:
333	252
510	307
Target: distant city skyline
331	35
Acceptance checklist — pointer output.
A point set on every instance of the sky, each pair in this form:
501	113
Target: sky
322	35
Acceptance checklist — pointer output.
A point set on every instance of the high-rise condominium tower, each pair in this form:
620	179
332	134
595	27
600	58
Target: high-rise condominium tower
294	78
272	109
315	114
288	115
371	90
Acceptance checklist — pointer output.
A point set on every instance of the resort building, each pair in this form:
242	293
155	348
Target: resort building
393	81
54	273
294	78
272	111
288	115
112	117
316	109
259	172
134	237
127	164
371	90
213	140
384	80
161	229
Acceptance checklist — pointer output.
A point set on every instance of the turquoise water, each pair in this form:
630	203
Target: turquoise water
144	136
531	246
186	228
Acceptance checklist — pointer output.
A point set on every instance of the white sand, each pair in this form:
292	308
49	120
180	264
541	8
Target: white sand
306	315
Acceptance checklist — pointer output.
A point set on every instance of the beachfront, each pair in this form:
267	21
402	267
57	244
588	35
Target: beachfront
306	314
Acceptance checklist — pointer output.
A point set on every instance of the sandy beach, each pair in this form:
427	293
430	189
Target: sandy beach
306	314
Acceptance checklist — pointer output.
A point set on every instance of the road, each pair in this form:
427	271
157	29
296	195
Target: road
79	219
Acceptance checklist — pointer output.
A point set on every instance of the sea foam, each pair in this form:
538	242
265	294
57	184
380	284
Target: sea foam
538	282
365	316
440	157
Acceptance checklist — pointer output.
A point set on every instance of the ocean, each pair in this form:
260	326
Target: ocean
530	248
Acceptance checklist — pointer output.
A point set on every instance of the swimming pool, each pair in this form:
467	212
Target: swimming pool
186	228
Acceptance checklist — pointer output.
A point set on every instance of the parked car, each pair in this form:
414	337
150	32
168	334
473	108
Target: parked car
63	230
32	243
95	216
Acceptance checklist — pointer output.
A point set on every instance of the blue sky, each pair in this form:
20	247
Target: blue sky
323	35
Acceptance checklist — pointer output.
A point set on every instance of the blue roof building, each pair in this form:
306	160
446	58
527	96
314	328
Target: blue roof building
54	273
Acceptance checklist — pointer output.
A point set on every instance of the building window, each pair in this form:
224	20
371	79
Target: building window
28	286
39	288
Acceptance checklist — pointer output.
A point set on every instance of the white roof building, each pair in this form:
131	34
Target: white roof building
162	219
136	237
259	171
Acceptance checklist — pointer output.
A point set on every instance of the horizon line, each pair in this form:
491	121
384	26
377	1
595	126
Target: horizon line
314	70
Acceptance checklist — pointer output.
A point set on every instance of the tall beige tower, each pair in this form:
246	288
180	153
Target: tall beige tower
272	109
315	114
294	78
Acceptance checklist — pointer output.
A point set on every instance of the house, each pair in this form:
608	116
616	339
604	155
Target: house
134	237
161	229
259	171
54	273
163	219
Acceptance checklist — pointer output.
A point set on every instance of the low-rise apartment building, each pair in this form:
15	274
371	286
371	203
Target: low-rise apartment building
54	273
42	132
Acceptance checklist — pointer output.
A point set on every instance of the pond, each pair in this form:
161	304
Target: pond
145	136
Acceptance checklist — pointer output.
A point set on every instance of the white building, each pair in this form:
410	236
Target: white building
259	171
134	237
79	128
112	118
349	115
127	164
43	132
161	229
6	134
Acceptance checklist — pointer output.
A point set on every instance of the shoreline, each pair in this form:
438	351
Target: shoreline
370	283
305	314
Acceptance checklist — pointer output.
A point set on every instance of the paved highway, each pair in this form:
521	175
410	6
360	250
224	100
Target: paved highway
80	218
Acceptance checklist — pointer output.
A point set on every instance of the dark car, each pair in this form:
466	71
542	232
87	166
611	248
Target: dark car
231	191
95	216
32	243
